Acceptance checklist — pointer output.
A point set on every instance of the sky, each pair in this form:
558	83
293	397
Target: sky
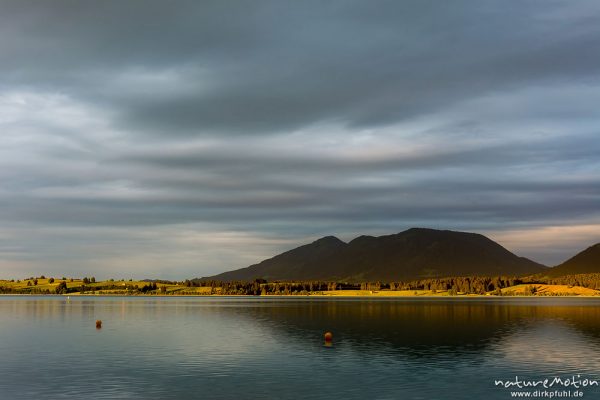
180	139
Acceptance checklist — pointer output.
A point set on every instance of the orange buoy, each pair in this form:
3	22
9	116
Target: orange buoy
328	337
98	324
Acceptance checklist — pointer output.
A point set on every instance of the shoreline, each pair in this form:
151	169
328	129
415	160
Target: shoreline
445	297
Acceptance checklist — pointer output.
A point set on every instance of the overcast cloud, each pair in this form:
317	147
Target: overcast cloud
181	139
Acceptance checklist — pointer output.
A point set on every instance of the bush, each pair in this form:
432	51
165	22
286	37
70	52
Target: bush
51	280
61	288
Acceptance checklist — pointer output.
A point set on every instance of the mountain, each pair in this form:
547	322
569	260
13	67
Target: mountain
412	254
586	262
299	263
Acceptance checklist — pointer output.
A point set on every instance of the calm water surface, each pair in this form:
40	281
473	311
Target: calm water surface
257	348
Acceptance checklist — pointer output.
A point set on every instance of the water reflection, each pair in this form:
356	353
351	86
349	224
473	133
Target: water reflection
274	348
419	328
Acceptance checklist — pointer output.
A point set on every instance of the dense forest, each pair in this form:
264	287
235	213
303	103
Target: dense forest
455	285
591	281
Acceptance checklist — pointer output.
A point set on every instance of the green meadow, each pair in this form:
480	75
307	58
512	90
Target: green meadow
89	286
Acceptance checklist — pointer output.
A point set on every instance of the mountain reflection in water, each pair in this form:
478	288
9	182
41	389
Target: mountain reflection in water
226	348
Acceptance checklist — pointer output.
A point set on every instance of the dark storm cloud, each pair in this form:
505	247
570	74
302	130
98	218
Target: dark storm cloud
150	135
268	67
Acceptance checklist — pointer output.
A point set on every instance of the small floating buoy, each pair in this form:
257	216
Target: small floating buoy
328	337
98	324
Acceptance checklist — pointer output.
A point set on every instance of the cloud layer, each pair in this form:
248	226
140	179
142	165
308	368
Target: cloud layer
178	140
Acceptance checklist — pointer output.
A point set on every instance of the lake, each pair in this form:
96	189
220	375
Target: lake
273	348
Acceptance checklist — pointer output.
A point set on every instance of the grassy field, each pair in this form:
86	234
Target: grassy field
550	290
43	284
121	287
386	293
517	290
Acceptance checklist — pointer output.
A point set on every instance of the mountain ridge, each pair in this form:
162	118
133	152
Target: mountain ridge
412	254
585	262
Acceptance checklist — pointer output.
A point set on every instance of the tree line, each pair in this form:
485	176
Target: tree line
258	287
470	285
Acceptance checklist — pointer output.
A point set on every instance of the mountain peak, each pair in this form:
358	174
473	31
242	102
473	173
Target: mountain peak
327	240
413	254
